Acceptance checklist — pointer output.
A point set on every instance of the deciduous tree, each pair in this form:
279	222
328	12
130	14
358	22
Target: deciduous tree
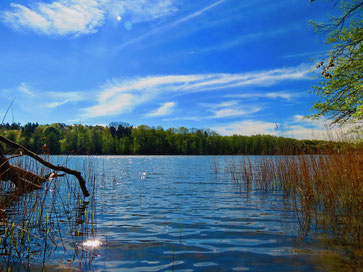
340	89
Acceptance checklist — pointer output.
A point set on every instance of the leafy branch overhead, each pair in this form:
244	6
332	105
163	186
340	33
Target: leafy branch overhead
340	89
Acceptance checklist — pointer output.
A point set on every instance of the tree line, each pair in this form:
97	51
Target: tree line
123	139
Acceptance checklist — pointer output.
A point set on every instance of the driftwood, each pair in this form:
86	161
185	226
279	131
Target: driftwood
28	180
23	179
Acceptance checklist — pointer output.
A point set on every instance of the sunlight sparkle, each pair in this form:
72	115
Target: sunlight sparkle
92	243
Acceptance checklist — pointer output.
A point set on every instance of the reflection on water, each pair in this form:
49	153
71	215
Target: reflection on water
92	243
165	213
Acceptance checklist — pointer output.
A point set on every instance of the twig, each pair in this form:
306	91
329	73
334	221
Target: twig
26	151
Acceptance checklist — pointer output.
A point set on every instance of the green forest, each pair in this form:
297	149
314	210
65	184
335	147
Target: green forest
123	139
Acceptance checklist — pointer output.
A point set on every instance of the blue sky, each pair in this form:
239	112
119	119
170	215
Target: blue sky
235	66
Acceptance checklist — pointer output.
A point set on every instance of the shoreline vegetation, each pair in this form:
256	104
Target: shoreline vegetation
123	139
322	180
37	225
326	192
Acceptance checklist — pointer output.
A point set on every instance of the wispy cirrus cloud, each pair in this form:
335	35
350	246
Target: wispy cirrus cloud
249	37
164	109
147	85
231	108
70	96
119	104
30	97
120	96
198	13
23	87
22	90
226	112
169	26
261	78
271	95
53	105
228	109
79	17
61	98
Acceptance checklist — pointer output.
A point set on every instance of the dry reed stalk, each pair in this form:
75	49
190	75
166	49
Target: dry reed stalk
326	189
30	227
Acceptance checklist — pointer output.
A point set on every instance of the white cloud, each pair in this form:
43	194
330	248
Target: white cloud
163	110
297	127
305	128
19	91
119	104
162	28
289	129
230	103
305	54
145	85
271	95
261	78
56	104
63	17
70	96
233	112
247	127
39	99
65	97
119	96
231	108
287	96
301	127
198	13
25	89
81	17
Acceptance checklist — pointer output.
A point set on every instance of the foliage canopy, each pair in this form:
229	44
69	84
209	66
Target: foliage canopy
340	90
145	140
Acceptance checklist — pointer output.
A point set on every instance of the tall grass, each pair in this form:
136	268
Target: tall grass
36	225
326	190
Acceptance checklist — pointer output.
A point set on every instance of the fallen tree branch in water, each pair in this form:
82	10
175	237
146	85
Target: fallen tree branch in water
12	172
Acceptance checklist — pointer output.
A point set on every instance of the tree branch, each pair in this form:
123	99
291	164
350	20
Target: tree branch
26	151
347	14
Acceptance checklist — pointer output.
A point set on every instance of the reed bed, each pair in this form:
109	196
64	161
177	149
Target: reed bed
326	190
55	220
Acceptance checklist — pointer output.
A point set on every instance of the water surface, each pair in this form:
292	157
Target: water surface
177	213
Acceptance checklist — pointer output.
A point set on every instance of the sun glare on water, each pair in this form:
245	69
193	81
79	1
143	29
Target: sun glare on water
118	18
92	243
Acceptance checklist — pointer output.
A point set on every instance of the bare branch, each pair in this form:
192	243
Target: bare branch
26	151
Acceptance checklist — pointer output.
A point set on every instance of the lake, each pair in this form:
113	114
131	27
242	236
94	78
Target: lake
159	213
